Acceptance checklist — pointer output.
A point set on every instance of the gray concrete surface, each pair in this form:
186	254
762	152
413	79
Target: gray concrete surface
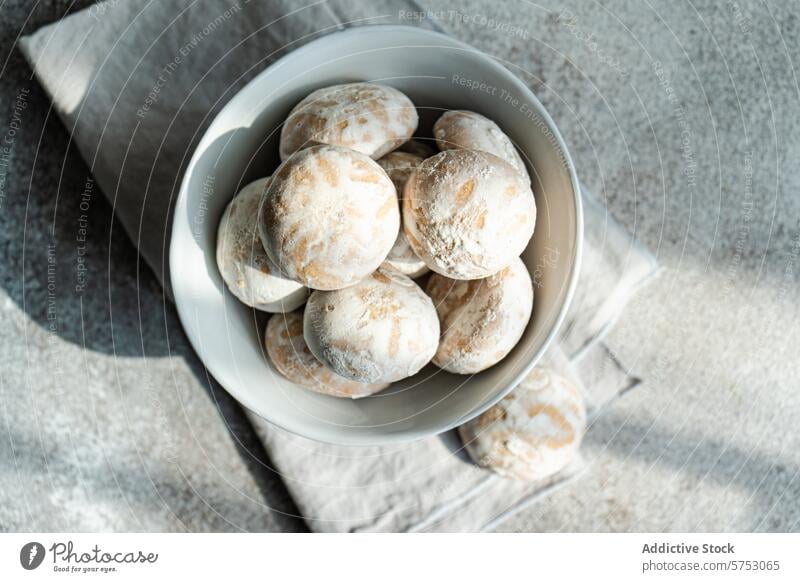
683	116
108	421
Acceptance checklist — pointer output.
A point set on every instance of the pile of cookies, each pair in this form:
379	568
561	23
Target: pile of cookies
358	210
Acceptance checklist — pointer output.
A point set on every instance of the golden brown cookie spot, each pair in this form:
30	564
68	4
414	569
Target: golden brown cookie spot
378	276
465	191
361	165
463	344
290	234
378	110
282	357
312	272
369	178
494	414
353	213
325	103
382	308
329	173
295	327
459	295
387	207
558	419
301	175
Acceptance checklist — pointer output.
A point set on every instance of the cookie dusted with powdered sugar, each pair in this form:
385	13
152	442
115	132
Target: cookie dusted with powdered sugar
480	320
243	263
398	166
383	329
531	434
467	214
369	118
467	130
329	217
289	354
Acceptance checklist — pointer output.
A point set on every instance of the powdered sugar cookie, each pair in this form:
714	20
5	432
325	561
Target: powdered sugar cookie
398	166
369	118
381	330
242	261
480	320
467	214
289	354
329	217
467	130
532	433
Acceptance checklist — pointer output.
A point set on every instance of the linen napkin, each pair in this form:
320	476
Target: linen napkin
136	82
431	485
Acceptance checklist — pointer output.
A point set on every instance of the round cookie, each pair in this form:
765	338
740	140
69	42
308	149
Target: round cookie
381	330
242	261
289	354
369	118
532	433
398	166
467	214
329	217
480	320
467	130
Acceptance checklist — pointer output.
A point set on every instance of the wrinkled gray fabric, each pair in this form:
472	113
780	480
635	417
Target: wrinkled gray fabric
136	82
430	485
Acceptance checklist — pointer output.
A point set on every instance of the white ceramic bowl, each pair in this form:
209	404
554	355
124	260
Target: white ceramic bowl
437	73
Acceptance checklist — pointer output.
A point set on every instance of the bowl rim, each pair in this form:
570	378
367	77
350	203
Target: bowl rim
419	433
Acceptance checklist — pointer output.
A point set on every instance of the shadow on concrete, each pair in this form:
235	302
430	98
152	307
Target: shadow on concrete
70	267
768	478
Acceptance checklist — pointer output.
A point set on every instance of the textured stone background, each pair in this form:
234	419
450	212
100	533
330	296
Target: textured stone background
684	117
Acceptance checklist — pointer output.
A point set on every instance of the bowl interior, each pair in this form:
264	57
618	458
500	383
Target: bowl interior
437	73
